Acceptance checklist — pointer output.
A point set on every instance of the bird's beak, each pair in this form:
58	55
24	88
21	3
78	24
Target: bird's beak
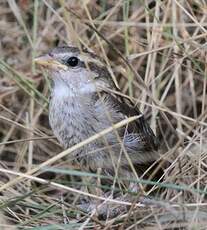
49	63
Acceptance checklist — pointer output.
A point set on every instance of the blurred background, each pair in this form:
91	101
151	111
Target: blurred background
165	43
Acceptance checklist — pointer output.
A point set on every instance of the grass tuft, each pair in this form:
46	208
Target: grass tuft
156	54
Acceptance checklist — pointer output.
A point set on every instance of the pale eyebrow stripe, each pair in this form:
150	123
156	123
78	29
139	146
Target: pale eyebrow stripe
88	59
84	58
67	54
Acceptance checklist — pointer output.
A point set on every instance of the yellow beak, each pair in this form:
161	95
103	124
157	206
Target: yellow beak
49	63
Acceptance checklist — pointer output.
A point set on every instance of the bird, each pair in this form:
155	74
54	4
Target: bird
83	102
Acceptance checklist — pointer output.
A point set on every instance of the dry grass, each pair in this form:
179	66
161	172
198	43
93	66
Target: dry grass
156	51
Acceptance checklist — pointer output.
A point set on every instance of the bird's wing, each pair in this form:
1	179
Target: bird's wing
138	130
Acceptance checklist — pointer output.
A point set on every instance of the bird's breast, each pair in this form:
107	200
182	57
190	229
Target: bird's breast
71	119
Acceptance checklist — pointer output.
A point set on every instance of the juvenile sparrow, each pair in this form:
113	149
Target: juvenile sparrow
83	104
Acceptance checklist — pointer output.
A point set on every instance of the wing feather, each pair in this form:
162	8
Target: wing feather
139	128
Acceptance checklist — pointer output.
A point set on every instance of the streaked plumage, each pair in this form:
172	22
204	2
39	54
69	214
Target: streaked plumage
81	105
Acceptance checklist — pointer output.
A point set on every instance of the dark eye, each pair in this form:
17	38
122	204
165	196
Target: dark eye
72	61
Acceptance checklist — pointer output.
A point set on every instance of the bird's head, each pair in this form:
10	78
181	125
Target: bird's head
79	70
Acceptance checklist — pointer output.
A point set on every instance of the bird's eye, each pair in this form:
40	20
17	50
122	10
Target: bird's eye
72	61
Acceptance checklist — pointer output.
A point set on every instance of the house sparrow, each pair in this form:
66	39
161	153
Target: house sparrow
83	103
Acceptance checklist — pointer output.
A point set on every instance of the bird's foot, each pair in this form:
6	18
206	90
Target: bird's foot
103	209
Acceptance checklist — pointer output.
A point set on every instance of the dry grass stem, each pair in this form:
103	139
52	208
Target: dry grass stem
156	54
